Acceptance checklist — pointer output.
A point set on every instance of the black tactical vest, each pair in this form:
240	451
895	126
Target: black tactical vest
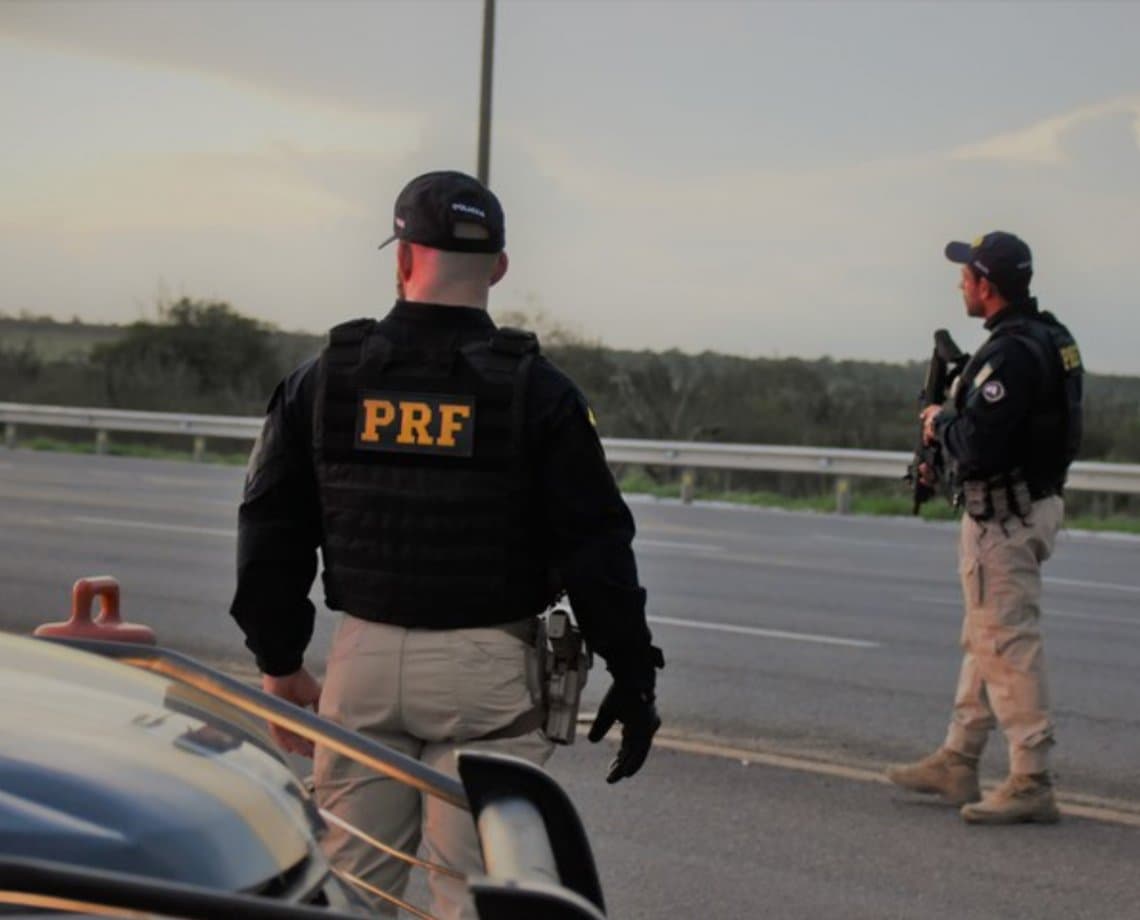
427	497
1056	423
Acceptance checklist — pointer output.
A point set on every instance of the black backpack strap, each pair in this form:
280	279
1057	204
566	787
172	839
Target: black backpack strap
1047	358
510	341
1055	351
509	352
523	345
346	340
342	353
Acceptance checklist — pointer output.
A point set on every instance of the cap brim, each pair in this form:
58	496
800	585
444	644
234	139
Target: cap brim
387	241
959	252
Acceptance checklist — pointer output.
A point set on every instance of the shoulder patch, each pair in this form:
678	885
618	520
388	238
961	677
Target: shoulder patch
984	374
590	415
993	391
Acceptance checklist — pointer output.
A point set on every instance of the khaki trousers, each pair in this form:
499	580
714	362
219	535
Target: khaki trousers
1002	680
425	693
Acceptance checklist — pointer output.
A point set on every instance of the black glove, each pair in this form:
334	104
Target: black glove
634	708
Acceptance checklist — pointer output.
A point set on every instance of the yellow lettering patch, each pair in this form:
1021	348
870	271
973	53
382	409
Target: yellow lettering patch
416	423
1071	357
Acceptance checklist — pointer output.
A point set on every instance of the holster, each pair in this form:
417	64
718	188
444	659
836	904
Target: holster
566	663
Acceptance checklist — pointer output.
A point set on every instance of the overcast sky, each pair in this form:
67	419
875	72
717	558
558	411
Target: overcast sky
755	178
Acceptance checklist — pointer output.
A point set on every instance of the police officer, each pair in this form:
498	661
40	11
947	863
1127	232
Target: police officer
454	483
1012	430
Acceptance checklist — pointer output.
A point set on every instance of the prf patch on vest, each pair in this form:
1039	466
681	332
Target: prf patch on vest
416	423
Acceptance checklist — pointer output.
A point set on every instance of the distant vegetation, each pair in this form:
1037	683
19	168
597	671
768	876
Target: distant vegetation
196	356
204	356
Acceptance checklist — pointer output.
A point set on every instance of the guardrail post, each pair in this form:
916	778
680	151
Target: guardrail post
687	480
102	440
842	495
199	449
10	436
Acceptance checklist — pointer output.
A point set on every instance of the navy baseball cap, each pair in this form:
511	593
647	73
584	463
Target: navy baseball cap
999	257
451	211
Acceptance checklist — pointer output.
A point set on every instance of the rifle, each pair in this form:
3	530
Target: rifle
946	362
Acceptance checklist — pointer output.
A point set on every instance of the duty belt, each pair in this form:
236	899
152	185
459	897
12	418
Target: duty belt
1002	497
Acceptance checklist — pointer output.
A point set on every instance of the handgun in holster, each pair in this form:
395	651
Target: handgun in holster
566	663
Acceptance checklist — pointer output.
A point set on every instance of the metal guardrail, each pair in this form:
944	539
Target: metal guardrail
835	461
104	421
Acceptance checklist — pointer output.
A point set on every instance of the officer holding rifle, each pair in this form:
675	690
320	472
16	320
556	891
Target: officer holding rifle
454	484
1007	434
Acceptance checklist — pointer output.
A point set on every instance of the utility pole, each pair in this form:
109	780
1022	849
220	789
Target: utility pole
484	173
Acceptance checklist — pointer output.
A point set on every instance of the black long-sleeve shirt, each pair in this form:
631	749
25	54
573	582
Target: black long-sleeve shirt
587	532
988	433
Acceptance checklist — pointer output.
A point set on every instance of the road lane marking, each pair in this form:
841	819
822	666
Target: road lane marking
764	633
1078	806
1091	617
148	525
672	544
863	541
1047	613
156	479
1078	583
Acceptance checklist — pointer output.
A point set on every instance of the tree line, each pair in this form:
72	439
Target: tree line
204	356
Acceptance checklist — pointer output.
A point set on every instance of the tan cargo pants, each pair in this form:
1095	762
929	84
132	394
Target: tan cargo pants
1002	680
425	693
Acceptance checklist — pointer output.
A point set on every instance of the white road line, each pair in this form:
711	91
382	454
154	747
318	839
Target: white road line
1080	806
1047	614
1106	585
861	541
1091	617
671	544
930	599
148	525
764	633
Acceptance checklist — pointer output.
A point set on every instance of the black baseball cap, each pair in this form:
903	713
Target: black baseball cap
999	257
445	210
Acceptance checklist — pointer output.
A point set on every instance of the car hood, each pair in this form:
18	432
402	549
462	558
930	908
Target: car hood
107	766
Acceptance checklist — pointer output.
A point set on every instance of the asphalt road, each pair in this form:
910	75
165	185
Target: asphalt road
814	648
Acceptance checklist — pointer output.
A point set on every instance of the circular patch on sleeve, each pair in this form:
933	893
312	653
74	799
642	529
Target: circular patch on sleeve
993	391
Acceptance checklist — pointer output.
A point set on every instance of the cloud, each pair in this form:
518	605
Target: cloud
323	53
184	193
1043	142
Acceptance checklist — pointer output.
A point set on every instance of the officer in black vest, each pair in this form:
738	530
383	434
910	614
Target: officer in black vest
1009	437
454	483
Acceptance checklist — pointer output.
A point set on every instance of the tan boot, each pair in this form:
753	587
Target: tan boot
946	773
1022	797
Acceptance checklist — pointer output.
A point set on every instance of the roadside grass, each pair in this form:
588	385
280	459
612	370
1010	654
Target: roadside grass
637	482
1115	522
129	449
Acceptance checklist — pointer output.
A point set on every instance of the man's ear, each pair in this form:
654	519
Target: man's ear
501	265
405	259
